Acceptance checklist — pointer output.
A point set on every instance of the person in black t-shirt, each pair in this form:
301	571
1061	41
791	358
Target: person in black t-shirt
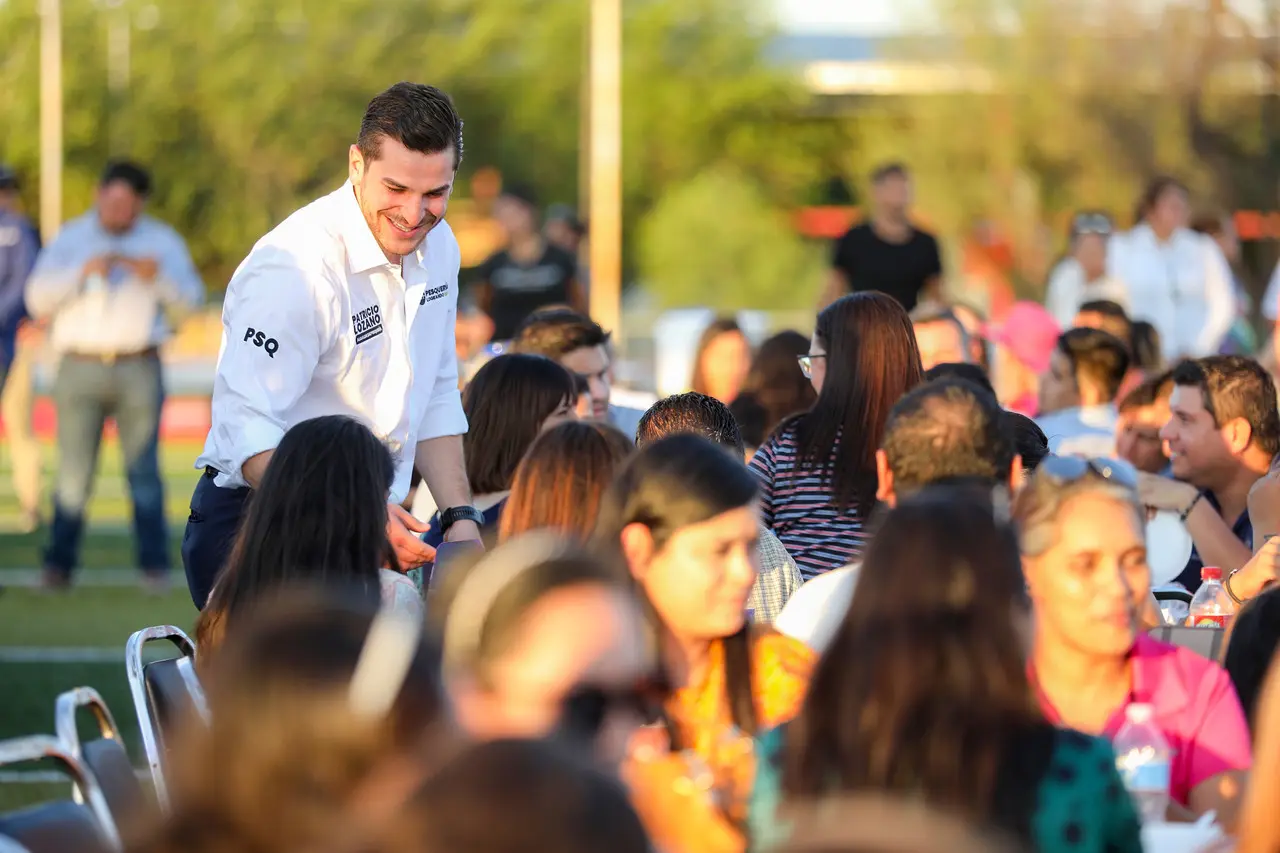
887	253
529	273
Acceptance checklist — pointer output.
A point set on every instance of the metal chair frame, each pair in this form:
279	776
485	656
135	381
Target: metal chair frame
65	711
40	747
148	723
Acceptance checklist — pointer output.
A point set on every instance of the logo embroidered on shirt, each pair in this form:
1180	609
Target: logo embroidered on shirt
433	293
367	323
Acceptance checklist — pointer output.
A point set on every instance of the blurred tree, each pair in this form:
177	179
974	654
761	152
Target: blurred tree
715	240
244	110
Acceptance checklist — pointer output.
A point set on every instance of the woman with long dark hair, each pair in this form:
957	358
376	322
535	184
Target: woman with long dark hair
318	516
685	516
509	402
775	386
924	693
818	471
721	360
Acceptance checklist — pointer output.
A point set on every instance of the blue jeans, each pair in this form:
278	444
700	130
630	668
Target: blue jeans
87	392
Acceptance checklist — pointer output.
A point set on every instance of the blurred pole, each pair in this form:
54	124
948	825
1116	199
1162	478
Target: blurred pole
605	214
118	47
50	118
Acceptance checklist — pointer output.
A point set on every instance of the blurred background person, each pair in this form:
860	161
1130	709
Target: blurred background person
514	796
1177	279
685	516
1106	315
315	519
817	471
542	639
940	336
975	326
1222	437
721	361
580	346
883	824
699	414
1078	393
1023	347
886	252
309	736
1148	354
1082	276
1143	413
561	480
1084	553
1029	440
529	272
509	403
564	228
970	373
943	711
775	388
19	339
111	284
1241	339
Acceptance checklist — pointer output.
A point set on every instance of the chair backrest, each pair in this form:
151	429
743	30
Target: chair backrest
62	825
1172	594
105	756
162	691
1206	642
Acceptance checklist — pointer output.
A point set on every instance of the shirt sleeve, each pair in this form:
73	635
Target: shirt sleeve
842	254
763	465
57	276
178	283
20	257
1219	309
1062	297
276	325
934	267
443	414
1220	742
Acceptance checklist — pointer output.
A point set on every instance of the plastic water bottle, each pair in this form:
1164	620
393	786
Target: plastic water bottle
1143	759
1211	607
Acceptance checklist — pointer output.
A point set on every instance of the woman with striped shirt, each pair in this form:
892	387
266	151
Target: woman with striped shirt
818	470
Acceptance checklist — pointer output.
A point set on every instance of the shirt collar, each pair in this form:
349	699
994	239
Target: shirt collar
363	251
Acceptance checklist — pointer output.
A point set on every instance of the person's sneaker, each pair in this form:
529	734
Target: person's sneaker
55	580
155	581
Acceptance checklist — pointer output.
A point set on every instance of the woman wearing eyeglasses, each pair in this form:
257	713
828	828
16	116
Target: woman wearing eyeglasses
1085	559
1082	275
543	639
685	516
818	471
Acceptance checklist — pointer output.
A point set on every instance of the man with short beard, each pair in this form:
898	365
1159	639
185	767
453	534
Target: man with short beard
347	307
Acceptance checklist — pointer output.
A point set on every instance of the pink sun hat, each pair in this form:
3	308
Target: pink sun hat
1029	332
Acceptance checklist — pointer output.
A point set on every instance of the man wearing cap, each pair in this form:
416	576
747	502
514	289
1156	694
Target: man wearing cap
18	248
348	307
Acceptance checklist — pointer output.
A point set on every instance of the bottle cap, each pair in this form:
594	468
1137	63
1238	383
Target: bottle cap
1210	573
1138	712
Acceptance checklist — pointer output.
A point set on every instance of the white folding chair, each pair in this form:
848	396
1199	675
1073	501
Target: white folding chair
83	825
162	691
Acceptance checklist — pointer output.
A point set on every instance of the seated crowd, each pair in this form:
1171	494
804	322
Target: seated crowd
855	587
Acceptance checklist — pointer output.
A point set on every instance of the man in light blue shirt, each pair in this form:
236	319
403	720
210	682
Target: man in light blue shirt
1078	393
112	284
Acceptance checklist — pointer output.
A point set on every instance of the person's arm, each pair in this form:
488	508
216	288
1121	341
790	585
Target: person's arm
60	273
1063	294
20	258
837	283
177	281
1214	539
1218	312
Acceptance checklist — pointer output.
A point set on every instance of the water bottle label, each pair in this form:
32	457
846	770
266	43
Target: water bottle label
1147	776
1209	620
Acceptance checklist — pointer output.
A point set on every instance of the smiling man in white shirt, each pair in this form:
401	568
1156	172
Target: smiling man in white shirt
347	307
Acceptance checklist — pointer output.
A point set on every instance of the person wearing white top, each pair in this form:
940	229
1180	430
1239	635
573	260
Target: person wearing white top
945	431
1178	280
112	284
1082	277
347	307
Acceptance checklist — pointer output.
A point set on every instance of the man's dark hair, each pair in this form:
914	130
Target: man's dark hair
1096	356
1106	308
1028	439
946	430
419	117
556	332
8	178
127	172
1235	387
694	413
971	373
1150	392
889	170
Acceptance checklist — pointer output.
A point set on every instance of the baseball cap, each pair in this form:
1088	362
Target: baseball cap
8	177
1029	332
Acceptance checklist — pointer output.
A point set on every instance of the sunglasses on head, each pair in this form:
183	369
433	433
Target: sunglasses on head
1063	470
1091	223
585	709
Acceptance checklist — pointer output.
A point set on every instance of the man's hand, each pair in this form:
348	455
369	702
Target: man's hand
143	269
99	265
462	531
411	551
1255	575
1163	493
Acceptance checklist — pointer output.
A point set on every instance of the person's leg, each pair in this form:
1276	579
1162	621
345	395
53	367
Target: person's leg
79	394
211	528
140	396
16	405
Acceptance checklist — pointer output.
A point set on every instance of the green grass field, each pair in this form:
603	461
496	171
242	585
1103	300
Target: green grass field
51	642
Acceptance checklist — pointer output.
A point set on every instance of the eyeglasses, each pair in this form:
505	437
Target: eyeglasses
585	709
806	363
1064	470
1091	223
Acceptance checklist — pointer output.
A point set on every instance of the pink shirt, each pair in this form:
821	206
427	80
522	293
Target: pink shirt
1196	708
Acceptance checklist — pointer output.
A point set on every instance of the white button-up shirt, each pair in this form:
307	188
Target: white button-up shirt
1181	286
316	322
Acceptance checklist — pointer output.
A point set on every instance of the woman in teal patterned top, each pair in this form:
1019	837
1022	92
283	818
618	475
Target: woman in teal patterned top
924	693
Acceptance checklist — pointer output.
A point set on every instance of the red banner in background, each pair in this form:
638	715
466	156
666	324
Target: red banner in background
183	419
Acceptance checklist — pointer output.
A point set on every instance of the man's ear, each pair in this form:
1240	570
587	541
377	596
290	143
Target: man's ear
355	164
884	479
637	547
1238	434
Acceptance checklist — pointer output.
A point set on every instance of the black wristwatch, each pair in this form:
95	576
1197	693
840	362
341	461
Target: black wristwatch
454	514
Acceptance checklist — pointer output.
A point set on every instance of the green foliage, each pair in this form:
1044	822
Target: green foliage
245	110
714	240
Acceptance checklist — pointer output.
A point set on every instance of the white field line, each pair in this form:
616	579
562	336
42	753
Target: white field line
68	654
50	777
113	577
